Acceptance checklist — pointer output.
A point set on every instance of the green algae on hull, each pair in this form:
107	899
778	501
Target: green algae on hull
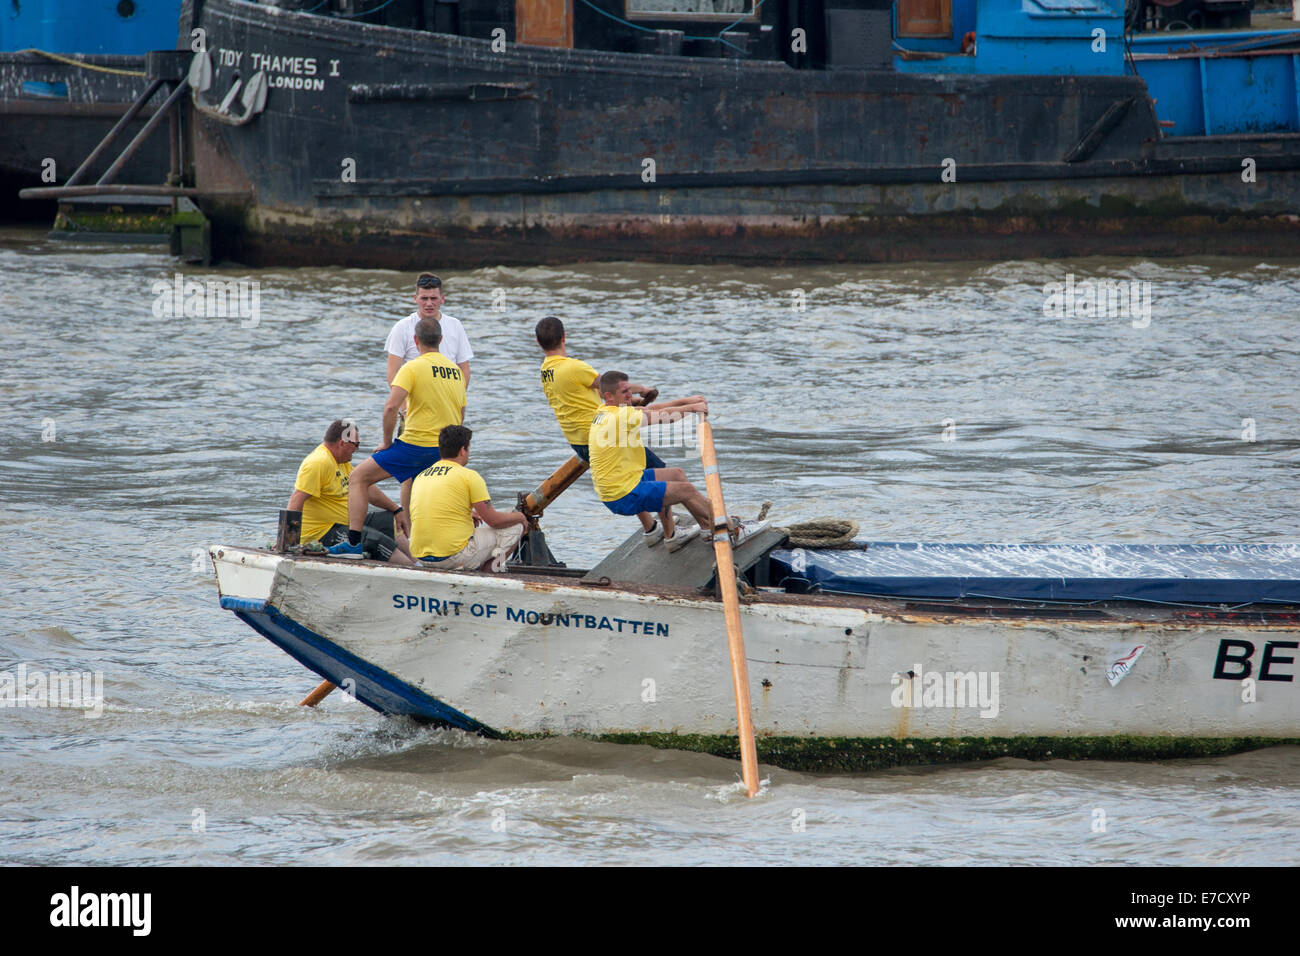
840	754
114	220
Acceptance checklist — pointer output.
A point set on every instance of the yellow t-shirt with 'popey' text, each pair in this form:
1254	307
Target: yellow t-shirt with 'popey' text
567	383
326	481
442	502
435	397
617	453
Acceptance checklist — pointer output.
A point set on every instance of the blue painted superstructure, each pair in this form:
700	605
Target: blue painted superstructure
1024	37
90	26
1217	83
1203	84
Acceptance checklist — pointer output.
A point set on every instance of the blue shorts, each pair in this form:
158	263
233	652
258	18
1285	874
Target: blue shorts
404	461
651	459
647	496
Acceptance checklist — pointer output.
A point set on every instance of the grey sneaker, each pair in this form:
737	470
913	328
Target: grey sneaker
654	535
681	539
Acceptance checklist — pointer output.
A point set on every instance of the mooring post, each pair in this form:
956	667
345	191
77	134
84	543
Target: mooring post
289	532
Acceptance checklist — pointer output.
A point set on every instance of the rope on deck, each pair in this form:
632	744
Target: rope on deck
819	532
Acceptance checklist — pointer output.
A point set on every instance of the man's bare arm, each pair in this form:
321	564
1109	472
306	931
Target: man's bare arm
394	364
297	500
679	402
464	370
396	399
498	519
381	500
656	414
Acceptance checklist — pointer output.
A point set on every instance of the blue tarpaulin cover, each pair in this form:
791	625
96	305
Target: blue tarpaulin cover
1161	573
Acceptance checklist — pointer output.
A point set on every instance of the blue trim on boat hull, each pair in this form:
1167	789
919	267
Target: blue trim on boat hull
374	687
251	605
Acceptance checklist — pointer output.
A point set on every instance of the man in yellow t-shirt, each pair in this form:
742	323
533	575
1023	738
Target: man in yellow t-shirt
618	469
570	387
320	492
432	388
446	501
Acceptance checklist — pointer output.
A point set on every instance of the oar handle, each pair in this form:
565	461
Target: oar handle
535	502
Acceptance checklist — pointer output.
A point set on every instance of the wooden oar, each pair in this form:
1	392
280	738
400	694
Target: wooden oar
533	503
316	696
731	607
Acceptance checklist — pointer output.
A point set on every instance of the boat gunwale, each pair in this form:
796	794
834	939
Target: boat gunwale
1019	614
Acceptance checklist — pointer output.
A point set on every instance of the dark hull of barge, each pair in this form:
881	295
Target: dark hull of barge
433	148
65	129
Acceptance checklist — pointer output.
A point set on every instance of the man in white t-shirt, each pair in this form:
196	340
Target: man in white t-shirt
428	305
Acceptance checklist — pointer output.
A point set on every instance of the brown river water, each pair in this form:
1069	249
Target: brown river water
945	402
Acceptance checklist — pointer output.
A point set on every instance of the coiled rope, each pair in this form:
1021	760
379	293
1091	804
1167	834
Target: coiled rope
819	532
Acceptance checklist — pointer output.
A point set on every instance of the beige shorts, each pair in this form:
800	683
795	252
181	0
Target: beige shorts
497	544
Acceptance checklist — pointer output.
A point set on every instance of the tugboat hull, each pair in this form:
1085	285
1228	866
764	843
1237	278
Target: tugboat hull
387	147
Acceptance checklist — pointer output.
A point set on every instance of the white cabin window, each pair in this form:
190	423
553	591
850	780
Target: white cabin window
689	9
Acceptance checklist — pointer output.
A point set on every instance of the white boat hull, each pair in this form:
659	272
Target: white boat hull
512	654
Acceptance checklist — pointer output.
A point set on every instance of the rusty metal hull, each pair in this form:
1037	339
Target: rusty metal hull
387	147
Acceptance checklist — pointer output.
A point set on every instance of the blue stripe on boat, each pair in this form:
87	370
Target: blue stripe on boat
374	687
252	605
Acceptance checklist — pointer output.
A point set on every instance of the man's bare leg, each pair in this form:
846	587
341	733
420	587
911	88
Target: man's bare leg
666	515
670	475
403	553
684	493
363	476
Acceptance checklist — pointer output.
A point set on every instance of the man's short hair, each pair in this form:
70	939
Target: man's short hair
550	333
336	428
428	280
452	439
428	332
609	382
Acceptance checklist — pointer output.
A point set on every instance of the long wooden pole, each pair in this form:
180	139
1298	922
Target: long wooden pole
731	608
316	696
535	502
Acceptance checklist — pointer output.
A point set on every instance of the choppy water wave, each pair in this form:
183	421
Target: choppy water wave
929	402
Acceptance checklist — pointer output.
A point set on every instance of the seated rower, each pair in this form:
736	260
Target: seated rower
320	492
433	389
447	500
571	389
621	481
